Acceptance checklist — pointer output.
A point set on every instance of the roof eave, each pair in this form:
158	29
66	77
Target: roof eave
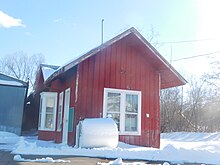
159	56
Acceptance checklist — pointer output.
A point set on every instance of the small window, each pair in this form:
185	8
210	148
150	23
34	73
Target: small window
124	106
113	106
40	113
60	114
131	113
47	112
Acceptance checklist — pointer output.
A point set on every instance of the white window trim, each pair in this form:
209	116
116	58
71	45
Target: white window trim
122	111
44	95
60	104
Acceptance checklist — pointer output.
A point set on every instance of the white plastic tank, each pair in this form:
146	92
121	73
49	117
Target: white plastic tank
97	132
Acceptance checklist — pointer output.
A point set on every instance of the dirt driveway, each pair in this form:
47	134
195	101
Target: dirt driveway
7	159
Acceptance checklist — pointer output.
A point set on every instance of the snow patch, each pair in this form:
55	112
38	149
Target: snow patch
12	83
47	72
18	158
5	135
120	162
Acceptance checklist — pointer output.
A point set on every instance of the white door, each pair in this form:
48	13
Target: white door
66	116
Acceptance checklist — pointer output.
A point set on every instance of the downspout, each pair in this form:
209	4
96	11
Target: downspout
77	84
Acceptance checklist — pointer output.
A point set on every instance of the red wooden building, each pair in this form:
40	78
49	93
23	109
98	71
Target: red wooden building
122	78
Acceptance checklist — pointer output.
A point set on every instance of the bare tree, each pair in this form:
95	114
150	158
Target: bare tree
171	106
21	66
198	110
196	99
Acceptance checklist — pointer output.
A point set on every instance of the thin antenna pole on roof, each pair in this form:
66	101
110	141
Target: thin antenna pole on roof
102	27
171	54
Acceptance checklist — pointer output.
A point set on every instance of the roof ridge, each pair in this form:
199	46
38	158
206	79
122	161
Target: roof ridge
97	49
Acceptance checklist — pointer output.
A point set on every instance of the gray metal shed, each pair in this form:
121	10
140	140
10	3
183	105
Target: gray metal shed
13	93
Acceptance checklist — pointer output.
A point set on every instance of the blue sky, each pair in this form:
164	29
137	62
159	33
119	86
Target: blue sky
62	30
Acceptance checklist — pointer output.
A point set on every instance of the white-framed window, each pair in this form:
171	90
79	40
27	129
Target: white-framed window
124	106
47	115
40	113
60	112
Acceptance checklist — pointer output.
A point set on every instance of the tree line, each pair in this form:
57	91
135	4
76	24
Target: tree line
194	107
22	66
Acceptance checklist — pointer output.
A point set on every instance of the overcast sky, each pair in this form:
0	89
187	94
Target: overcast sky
62	30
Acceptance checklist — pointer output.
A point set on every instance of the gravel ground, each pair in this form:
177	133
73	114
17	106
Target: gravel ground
7	159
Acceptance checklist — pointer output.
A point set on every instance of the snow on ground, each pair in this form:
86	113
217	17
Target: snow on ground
175	147
18	158
8	140
120	162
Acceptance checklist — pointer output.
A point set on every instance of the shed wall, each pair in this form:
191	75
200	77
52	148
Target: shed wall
121	66
118	66
11	108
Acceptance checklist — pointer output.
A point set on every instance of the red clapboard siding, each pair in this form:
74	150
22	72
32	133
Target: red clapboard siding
122	48
117	66
60	85
126	62
39	85
123	67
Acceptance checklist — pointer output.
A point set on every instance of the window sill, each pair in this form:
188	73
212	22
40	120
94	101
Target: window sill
130	133
44	129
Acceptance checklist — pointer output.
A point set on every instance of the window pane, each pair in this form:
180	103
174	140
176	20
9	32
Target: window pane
60	108
39	122
50	102
49	110
49	121
130	122
116	118
41	100
113	102
59	122
131	103
40	113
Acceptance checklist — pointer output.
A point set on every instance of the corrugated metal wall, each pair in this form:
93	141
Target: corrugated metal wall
11	108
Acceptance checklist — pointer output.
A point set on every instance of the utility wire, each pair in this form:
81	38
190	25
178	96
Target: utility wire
186	41
207	54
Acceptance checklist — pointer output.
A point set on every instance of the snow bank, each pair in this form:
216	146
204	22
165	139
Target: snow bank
191	136
4	135
7	140
175	147
120	162
97	132
18	158
170	152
